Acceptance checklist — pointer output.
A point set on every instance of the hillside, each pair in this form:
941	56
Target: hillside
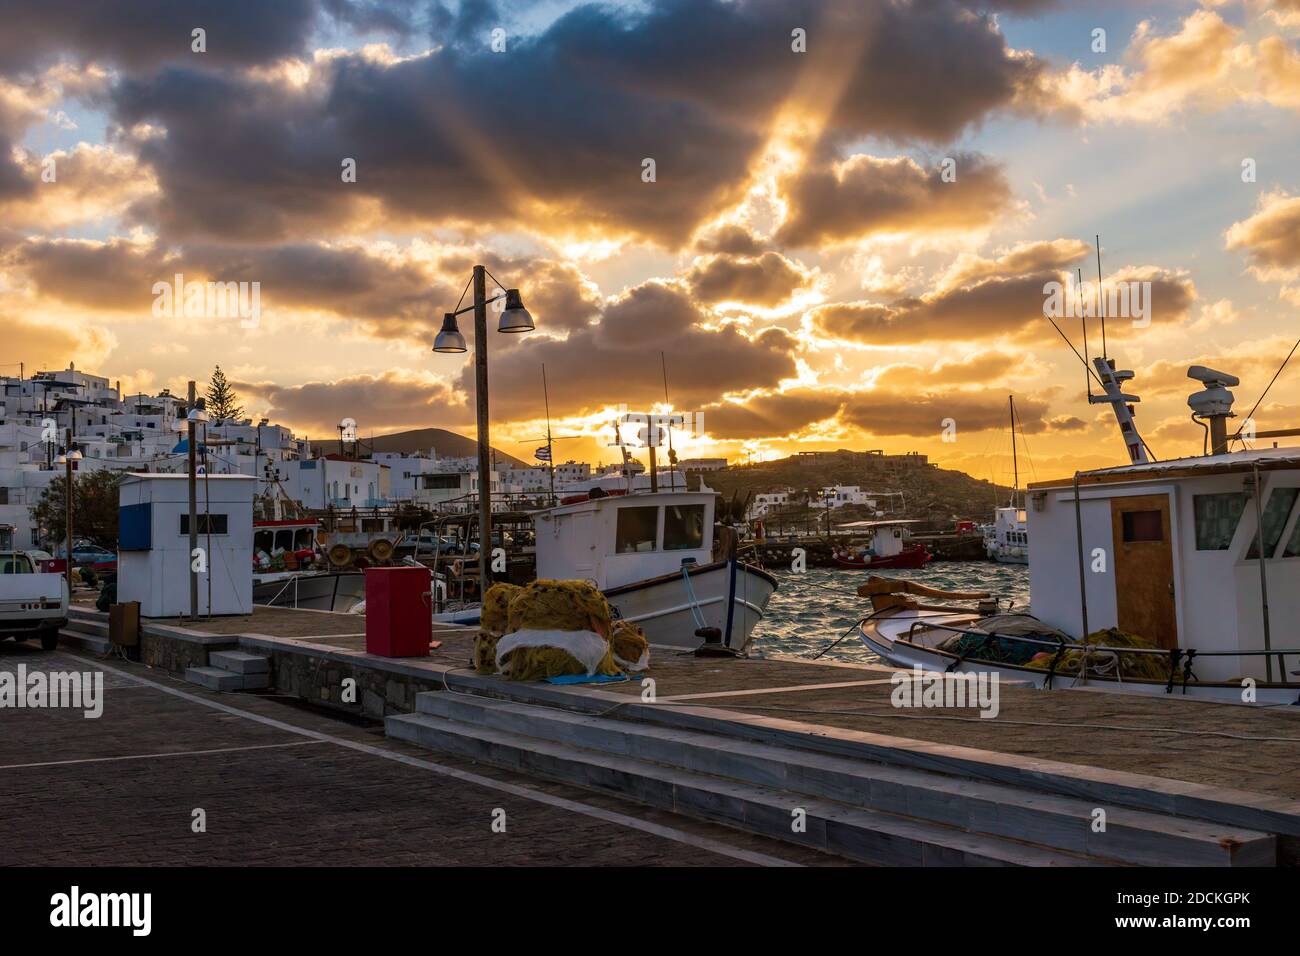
933	494
447	444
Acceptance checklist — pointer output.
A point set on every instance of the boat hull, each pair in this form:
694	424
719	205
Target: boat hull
912	558
889	635
313	592
670	613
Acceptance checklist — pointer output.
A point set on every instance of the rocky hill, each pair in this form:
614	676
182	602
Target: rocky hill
936	495
447	444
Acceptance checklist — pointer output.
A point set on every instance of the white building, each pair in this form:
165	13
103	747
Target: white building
703	464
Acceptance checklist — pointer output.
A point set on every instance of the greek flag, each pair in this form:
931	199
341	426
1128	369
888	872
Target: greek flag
543	453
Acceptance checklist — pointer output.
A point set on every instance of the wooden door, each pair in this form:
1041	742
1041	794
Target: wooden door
1144	567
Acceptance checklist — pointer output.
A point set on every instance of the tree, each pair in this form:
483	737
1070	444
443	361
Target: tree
222	400
94	508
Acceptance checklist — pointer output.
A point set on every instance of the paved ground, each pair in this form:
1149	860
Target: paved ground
122	789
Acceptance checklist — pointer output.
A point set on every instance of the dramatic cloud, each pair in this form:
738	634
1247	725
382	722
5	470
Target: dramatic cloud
1271	237
865	195
461	134
771	414
904	412
766	280
394	399
144	33
999	306
617	359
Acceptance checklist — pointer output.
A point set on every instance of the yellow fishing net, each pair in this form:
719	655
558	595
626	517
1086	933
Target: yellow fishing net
561	606
538	663
1106	663
629	645
495	616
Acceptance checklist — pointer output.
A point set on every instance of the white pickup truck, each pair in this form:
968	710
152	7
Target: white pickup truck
32	604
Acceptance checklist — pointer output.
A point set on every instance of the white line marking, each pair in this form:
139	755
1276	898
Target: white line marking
176	753
599	813
778	690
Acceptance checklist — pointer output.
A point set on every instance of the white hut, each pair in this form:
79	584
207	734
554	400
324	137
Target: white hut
154	548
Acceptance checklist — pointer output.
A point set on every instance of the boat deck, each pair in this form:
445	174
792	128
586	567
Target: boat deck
1220	745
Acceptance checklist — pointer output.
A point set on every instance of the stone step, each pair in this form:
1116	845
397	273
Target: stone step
239	662
864	835
81	640
214	678
85	625
1061	822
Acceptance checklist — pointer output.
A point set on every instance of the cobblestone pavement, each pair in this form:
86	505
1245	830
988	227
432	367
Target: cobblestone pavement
123	790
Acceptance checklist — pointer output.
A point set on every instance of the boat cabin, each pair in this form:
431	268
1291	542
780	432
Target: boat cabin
1171	551
618	539
887	537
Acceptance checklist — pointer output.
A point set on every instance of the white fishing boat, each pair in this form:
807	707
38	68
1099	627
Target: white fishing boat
1006	540
1199	557
310	590
651	553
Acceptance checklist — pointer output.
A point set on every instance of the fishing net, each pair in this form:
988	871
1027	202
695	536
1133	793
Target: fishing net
547	604
630	648
997	647
530	654
1109	663
495	615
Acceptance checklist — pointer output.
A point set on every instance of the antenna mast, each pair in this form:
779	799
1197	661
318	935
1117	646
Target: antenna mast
672	455
1015	463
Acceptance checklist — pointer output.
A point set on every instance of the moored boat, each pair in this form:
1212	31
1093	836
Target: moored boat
652	554
1152	577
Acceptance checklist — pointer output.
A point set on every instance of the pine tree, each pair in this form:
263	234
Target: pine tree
222	400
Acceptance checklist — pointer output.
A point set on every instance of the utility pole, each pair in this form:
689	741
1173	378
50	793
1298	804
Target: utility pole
67	517
194	506
484	453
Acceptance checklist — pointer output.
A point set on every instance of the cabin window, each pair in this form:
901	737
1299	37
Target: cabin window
1216	519
1276	512
207	524
1143	526
636	530
302	539
683	527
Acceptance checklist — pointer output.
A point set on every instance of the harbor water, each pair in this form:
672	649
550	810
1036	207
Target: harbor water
811	609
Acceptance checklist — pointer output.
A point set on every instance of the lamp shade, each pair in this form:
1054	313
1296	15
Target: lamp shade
449	338
515	317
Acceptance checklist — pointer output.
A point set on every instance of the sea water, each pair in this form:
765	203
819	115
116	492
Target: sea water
811	609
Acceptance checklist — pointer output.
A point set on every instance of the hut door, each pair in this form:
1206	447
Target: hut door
1144	568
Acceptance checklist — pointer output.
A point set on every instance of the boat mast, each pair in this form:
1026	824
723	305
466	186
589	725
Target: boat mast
550	450
1015	462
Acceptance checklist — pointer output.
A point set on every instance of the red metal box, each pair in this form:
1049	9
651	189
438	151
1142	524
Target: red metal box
399	615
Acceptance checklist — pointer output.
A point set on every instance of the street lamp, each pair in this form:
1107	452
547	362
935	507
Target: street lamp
72	455
514	318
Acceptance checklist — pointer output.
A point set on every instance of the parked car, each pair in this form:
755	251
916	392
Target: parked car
86	555
32	603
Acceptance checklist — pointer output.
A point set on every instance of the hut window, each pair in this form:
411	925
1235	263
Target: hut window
1216	519
683	527
1276	512
636	530
1143	526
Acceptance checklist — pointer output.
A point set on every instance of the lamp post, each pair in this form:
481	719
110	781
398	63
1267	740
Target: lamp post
514	318
67	458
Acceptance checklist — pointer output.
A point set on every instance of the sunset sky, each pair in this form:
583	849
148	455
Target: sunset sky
812	278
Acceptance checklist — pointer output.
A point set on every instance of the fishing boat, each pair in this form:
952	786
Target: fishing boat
652	554
1006	540
890	548
1155	577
